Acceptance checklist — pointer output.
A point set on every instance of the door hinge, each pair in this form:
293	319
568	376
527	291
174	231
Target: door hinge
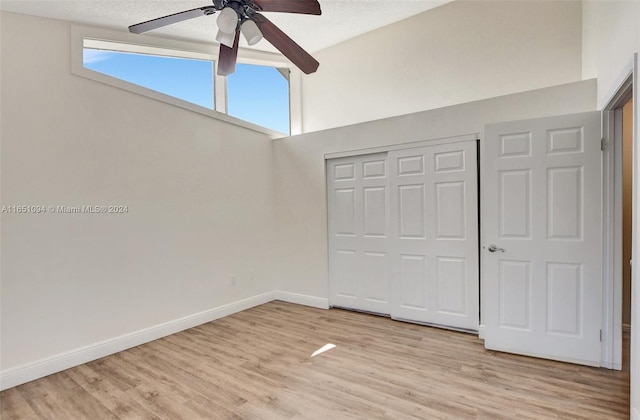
600	335
603	144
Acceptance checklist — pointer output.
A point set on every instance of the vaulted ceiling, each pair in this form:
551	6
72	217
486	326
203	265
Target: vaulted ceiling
340	20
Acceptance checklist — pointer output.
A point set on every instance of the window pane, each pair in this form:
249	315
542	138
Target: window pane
184	78
260	95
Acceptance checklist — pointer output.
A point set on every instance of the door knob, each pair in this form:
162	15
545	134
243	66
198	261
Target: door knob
493	248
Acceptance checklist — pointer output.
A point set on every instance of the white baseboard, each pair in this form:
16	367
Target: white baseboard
635	413
611	365
481	331
300	299
41	368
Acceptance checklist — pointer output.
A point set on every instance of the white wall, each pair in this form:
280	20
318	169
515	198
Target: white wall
199	192
460	52
611	34
301	208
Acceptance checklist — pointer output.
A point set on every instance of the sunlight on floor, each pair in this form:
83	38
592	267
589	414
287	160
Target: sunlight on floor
322	349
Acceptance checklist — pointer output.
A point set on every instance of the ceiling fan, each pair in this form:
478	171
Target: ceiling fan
244	16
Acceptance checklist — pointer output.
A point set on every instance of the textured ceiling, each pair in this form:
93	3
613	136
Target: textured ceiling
340	20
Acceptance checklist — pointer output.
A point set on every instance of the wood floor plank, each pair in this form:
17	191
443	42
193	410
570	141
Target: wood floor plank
14	406
108	394
257	364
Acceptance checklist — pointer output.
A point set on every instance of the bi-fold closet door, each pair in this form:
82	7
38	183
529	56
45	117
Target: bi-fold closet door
403	234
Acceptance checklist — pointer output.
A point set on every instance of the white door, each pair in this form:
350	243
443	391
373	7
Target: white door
434	213
359	267
542	243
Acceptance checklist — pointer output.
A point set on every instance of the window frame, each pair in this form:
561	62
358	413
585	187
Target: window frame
99	38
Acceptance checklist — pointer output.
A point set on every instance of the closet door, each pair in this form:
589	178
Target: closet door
434	214
359	261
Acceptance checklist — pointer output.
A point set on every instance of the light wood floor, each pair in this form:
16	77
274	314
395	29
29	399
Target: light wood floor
256	365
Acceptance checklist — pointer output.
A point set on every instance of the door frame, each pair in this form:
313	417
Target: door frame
612	221
401	146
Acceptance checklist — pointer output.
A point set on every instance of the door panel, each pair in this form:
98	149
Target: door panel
452	286
433	196
375	211
344	265
411	288
345	211
515	294
412	211
359	266
542	210
564	203
450	210
514	191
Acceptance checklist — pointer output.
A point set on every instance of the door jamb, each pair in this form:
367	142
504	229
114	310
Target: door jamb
612	224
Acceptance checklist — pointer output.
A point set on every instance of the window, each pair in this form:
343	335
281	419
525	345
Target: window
262	95
184	78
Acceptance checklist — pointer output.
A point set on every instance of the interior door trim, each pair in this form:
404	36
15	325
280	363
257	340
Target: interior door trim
402	146
612	226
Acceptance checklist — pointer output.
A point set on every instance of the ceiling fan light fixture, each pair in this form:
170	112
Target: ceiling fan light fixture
227	20
225	38
251	32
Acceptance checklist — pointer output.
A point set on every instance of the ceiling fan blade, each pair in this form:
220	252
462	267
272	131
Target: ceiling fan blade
286	45
171	19
307	7
227	57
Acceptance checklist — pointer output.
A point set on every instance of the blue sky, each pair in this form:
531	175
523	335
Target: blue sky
257	94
